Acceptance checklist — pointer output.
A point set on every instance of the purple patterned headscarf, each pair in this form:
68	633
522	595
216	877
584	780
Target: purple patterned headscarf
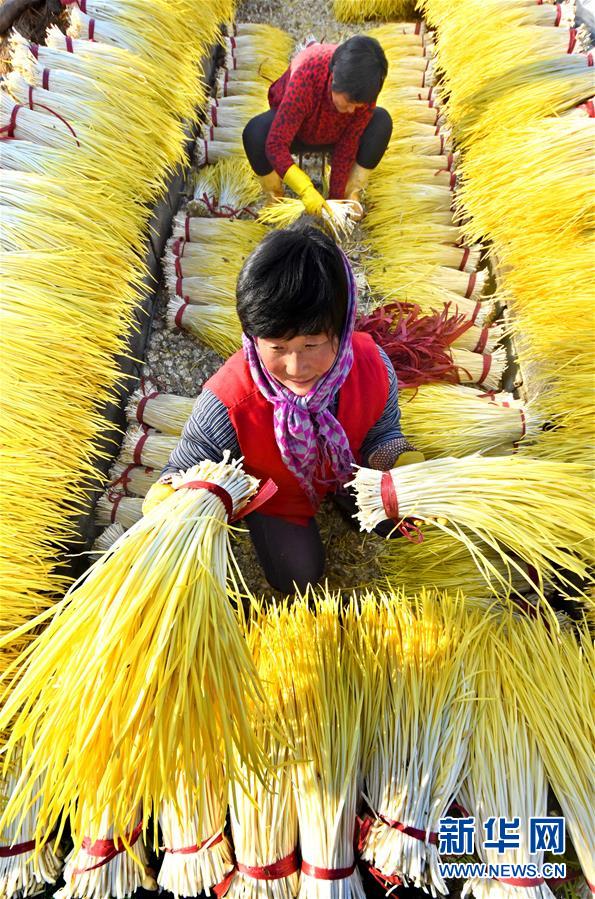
309	437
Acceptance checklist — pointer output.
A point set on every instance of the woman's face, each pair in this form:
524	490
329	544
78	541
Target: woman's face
298	363
343	102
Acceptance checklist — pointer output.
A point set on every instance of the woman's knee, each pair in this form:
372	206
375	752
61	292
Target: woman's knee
287	578
383	124
254	137
375	138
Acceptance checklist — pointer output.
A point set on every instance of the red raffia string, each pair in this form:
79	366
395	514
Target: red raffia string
106	850
224	211
191	850
327	873
416	344
390	503
284	867
17	849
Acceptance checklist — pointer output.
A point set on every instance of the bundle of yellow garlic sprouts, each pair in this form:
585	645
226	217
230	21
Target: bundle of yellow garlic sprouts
114	507
506	777
234	237
513	504
264	822
132	479
248	52
357	10
485	369
102	866
106	538
453	420
339	215
198	855
320	692
427	651
166	412
561	718
216	325
173	667
229	188
142	447
21	873
443	562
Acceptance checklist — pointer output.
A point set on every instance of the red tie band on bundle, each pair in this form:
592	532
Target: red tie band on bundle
220	889
572	40
590	108
45	79
590	59
483	339
115	505
187	228
275	871
69	44
390	504
485	369
12	123
214	115
225	211
522	881
34	49
190	850
476	311
327	873
106	850
140	409
138	449
471	285
124	479
180	314
268	489
178	245
17	849
465	259
558	15
414	832
91	34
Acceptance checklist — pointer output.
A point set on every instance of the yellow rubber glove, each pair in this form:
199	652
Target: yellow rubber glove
156	494
301	184
409	457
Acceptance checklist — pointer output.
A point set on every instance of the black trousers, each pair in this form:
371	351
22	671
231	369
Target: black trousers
290	553
372	145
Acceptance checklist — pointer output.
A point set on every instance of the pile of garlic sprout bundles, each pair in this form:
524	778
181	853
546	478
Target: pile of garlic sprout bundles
515	505
170	664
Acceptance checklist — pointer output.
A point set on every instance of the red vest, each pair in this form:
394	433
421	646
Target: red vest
362	399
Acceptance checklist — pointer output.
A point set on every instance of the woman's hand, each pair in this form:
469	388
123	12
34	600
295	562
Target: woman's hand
156	494
301	184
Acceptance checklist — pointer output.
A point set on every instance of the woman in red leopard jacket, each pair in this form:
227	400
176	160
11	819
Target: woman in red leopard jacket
326	100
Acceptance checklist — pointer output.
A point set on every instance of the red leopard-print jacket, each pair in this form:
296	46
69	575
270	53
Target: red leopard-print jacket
302	98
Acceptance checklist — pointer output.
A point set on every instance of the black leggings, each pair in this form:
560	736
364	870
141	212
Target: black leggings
290	553
372	145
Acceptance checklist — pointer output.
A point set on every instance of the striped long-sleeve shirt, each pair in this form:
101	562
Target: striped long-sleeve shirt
209	431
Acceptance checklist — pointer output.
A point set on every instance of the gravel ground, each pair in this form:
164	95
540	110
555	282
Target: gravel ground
179	363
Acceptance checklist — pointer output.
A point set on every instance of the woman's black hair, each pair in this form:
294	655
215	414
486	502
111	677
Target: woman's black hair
293	283
359	68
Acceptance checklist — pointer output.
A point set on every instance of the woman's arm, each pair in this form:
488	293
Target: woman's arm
345	153
291	112
385	442
207	433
